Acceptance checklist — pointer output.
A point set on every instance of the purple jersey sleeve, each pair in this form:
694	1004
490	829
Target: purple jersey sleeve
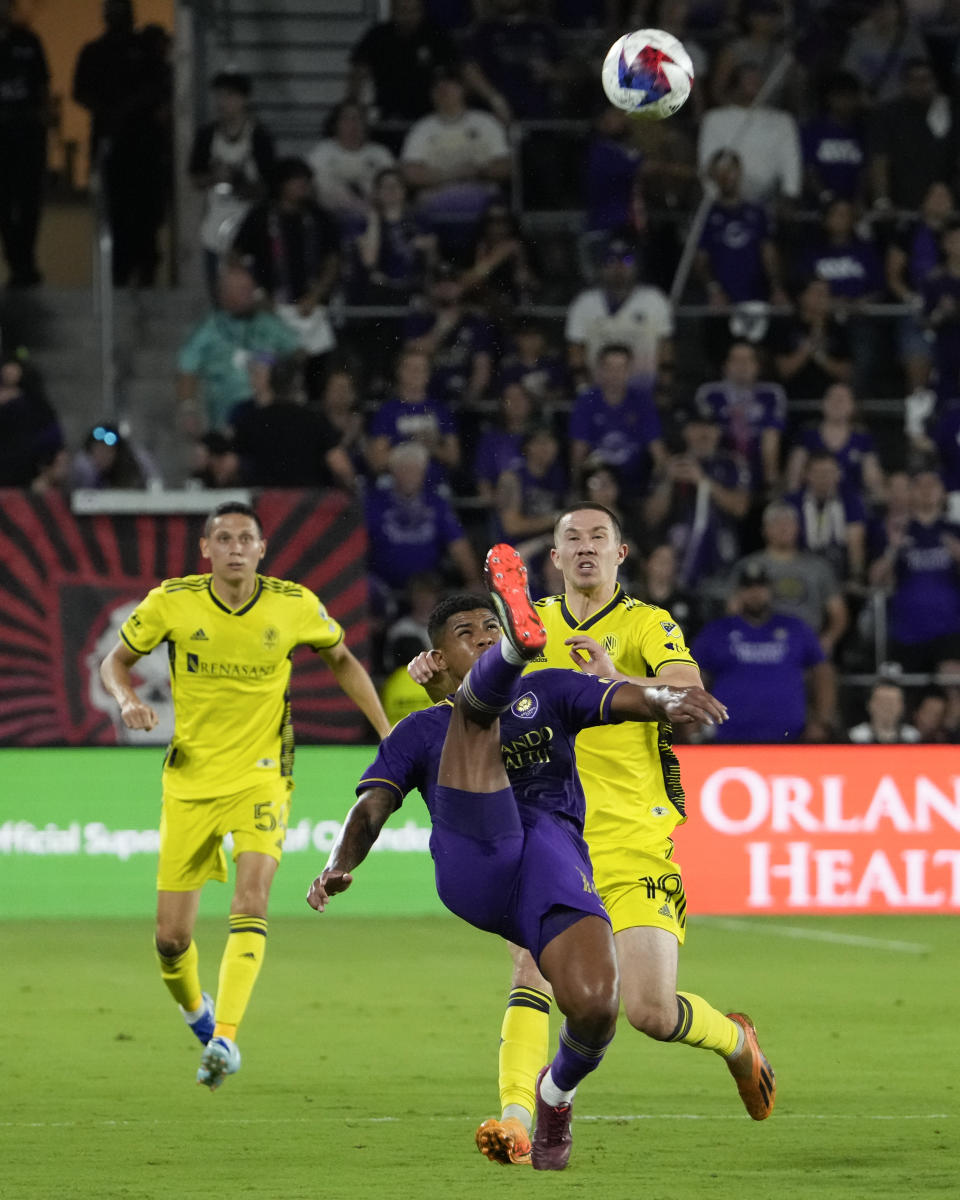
580	700
399	766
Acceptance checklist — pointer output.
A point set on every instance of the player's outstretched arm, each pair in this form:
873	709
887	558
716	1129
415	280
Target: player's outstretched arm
115	673
356	683
360	830
679	705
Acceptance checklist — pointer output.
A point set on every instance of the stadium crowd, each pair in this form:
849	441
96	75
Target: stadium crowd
471	302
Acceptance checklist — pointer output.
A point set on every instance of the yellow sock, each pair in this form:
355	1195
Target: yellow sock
700	1025
181	975
239	969
524	1046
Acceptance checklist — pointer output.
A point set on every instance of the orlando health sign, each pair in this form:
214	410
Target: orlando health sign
826	829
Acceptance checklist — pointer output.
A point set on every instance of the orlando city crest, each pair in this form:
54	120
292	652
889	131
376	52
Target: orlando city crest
525	705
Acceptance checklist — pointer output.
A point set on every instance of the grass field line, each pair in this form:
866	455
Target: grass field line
819	935
441	1119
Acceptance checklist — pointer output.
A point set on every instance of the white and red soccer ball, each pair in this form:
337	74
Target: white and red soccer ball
647	73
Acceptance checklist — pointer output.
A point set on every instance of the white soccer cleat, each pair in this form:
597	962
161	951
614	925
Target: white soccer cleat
220	1059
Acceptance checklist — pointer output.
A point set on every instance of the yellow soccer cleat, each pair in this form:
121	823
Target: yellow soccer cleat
753	1074
506	1142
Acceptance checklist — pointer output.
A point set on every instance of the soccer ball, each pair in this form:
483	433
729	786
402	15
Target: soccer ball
647	73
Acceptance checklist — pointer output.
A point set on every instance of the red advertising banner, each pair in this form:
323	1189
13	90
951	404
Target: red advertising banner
67	583
825	829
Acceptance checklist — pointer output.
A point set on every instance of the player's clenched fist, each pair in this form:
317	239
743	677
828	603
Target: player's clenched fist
686	705
136	715
328	883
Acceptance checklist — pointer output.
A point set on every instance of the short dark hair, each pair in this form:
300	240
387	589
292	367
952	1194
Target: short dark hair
226	509
232	81
594	507
285	169
450	606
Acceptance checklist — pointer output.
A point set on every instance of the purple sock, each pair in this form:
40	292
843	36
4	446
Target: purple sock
488	687
574	1060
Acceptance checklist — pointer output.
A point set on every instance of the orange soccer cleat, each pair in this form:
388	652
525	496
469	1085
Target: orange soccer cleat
506	577
506	1142
753	1074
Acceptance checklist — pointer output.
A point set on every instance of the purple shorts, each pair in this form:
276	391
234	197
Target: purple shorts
526	879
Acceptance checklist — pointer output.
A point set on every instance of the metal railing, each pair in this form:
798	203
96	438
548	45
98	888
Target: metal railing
103	296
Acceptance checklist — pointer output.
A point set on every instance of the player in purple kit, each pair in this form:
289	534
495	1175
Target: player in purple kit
495	765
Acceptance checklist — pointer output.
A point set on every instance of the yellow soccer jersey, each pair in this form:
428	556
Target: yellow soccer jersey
229	674
629	772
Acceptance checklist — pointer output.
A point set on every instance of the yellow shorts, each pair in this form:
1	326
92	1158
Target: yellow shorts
640	888
192	832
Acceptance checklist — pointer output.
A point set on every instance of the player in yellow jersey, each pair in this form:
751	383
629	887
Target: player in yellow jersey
228	768
635	800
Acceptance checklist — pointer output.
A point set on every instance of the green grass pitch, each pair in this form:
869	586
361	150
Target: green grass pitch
370	1057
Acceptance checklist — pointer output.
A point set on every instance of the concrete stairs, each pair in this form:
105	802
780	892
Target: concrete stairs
297	53
59	330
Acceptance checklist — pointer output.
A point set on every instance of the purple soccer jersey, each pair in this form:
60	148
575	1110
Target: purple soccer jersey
758	672
527	848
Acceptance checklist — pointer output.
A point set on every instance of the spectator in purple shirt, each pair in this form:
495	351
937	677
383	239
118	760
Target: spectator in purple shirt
913	254
852	269
531	362
832	520
834	144
840	435
530	495
616	422
394	252
941	306
412	529
459	343
611	172
921	566
513	62
750	412
761	664
500	447
697	502
412	415
737	259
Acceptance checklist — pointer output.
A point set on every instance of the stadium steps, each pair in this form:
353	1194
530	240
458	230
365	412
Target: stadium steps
59	330
297	56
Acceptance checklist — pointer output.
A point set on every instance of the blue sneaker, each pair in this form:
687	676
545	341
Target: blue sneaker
202	1021
220	1059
